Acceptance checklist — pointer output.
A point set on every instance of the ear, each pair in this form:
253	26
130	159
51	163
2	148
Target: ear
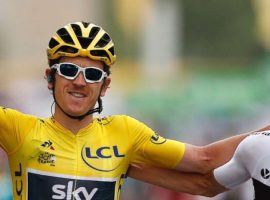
49	78
105	86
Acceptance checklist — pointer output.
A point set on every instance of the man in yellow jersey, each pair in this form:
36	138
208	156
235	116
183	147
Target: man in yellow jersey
73	155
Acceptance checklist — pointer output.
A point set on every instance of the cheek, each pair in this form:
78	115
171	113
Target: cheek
59	86
57	93
94	91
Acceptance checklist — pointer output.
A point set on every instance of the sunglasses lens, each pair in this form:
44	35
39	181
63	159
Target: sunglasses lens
68	70
93	74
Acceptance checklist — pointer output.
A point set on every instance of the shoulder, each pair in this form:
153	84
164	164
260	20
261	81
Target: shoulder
256	138
117	119
9	111
12	113
124	124
253	146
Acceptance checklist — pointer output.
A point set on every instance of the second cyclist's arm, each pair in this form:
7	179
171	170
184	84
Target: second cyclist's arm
192	183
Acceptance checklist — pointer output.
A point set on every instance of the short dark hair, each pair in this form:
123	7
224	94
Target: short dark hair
106	68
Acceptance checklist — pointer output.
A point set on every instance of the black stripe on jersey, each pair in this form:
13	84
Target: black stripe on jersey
262	191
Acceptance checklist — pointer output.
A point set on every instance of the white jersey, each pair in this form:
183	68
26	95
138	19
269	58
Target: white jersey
251	160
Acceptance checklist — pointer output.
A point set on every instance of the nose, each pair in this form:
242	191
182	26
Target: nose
79	80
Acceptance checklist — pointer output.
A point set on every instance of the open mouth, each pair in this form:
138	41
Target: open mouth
77	94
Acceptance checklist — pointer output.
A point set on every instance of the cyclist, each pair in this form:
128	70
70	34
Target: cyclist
250	161
72	155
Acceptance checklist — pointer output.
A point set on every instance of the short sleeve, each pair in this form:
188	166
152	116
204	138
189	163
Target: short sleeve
151	148
236	171
13	128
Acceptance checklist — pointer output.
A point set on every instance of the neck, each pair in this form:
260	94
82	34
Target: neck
74	125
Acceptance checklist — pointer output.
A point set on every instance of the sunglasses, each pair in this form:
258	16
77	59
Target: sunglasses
71	71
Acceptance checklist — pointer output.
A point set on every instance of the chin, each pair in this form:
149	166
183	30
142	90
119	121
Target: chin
77	112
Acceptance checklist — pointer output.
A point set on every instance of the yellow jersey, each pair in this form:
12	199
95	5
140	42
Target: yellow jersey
47	161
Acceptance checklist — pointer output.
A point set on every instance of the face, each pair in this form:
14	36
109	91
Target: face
76	97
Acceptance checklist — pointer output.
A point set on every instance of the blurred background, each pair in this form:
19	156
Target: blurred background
193	71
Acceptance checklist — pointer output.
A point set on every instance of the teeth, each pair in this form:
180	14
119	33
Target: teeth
75	94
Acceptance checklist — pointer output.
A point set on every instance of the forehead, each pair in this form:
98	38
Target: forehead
82	61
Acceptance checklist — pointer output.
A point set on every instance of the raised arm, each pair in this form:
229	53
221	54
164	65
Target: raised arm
231	174
13	128
192	183
206	158
199	160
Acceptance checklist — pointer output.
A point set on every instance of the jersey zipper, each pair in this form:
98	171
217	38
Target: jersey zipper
77	166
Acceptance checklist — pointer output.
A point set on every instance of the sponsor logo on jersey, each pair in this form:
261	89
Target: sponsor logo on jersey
265	173
157	139
3	108
58	186
266	133
19	187
104	158
41	120
104	120
47	144
45	157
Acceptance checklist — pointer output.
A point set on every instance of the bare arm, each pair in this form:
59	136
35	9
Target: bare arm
196	159
230	175
196	184
206	158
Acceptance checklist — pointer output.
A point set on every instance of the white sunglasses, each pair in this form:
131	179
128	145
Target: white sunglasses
71	71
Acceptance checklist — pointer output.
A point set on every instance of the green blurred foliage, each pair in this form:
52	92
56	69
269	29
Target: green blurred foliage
221	29
209	92
211	29
126	46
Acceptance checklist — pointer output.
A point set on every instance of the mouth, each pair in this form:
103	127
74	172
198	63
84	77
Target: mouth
77	94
